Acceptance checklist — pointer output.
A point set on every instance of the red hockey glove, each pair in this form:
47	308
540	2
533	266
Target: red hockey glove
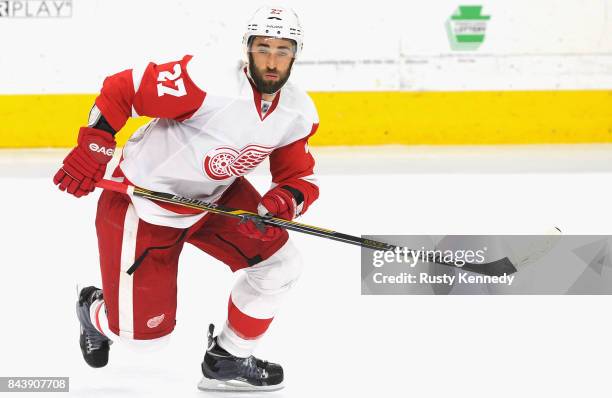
279	202
86	163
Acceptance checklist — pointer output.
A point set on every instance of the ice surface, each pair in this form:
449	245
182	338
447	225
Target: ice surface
331	340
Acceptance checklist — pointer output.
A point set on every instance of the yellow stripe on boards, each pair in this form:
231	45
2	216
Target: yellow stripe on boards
366	118
451	118
49	120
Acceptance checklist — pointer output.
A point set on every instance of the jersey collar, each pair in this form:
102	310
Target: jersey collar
257	98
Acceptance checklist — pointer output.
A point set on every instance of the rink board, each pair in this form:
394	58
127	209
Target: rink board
367	118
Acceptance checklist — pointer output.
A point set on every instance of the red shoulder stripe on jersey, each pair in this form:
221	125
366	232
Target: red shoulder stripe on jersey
165	91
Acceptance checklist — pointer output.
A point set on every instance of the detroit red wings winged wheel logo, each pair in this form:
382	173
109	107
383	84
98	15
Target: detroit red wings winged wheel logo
224	162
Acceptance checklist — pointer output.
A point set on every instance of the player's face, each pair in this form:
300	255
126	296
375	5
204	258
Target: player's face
270	62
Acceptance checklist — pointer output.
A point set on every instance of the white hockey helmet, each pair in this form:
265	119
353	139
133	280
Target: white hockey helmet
275	21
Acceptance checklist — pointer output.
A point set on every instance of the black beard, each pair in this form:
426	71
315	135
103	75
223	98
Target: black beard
263	86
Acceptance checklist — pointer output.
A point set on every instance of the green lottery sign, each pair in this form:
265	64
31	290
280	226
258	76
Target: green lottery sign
466	28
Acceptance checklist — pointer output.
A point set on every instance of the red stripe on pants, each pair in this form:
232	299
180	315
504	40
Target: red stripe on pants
245	326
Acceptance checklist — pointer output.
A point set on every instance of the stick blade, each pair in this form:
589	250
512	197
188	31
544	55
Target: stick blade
495	268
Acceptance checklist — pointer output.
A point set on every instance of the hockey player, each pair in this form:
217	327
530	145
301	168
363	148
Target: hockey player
212	125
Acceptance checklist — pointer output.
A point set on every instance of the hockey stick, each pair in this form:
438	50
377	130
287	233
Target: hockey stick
494	268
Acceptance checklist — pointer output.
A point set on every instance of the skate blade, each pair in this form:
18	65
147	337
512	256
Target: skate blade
207	384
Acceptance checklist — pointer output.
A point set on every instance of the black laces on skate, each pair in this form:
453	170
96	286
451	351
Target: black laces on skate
95	340
252	368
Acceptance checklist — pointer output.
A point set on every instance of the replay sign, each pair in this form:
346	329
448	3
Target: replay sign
35	8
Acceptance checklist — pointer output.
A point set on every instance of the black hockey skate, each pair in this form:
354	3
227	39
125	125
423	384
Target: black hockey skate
94	345
225	372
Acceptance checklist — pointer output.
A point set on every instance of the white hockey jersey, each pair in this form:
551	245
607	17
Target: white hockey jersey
209	129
